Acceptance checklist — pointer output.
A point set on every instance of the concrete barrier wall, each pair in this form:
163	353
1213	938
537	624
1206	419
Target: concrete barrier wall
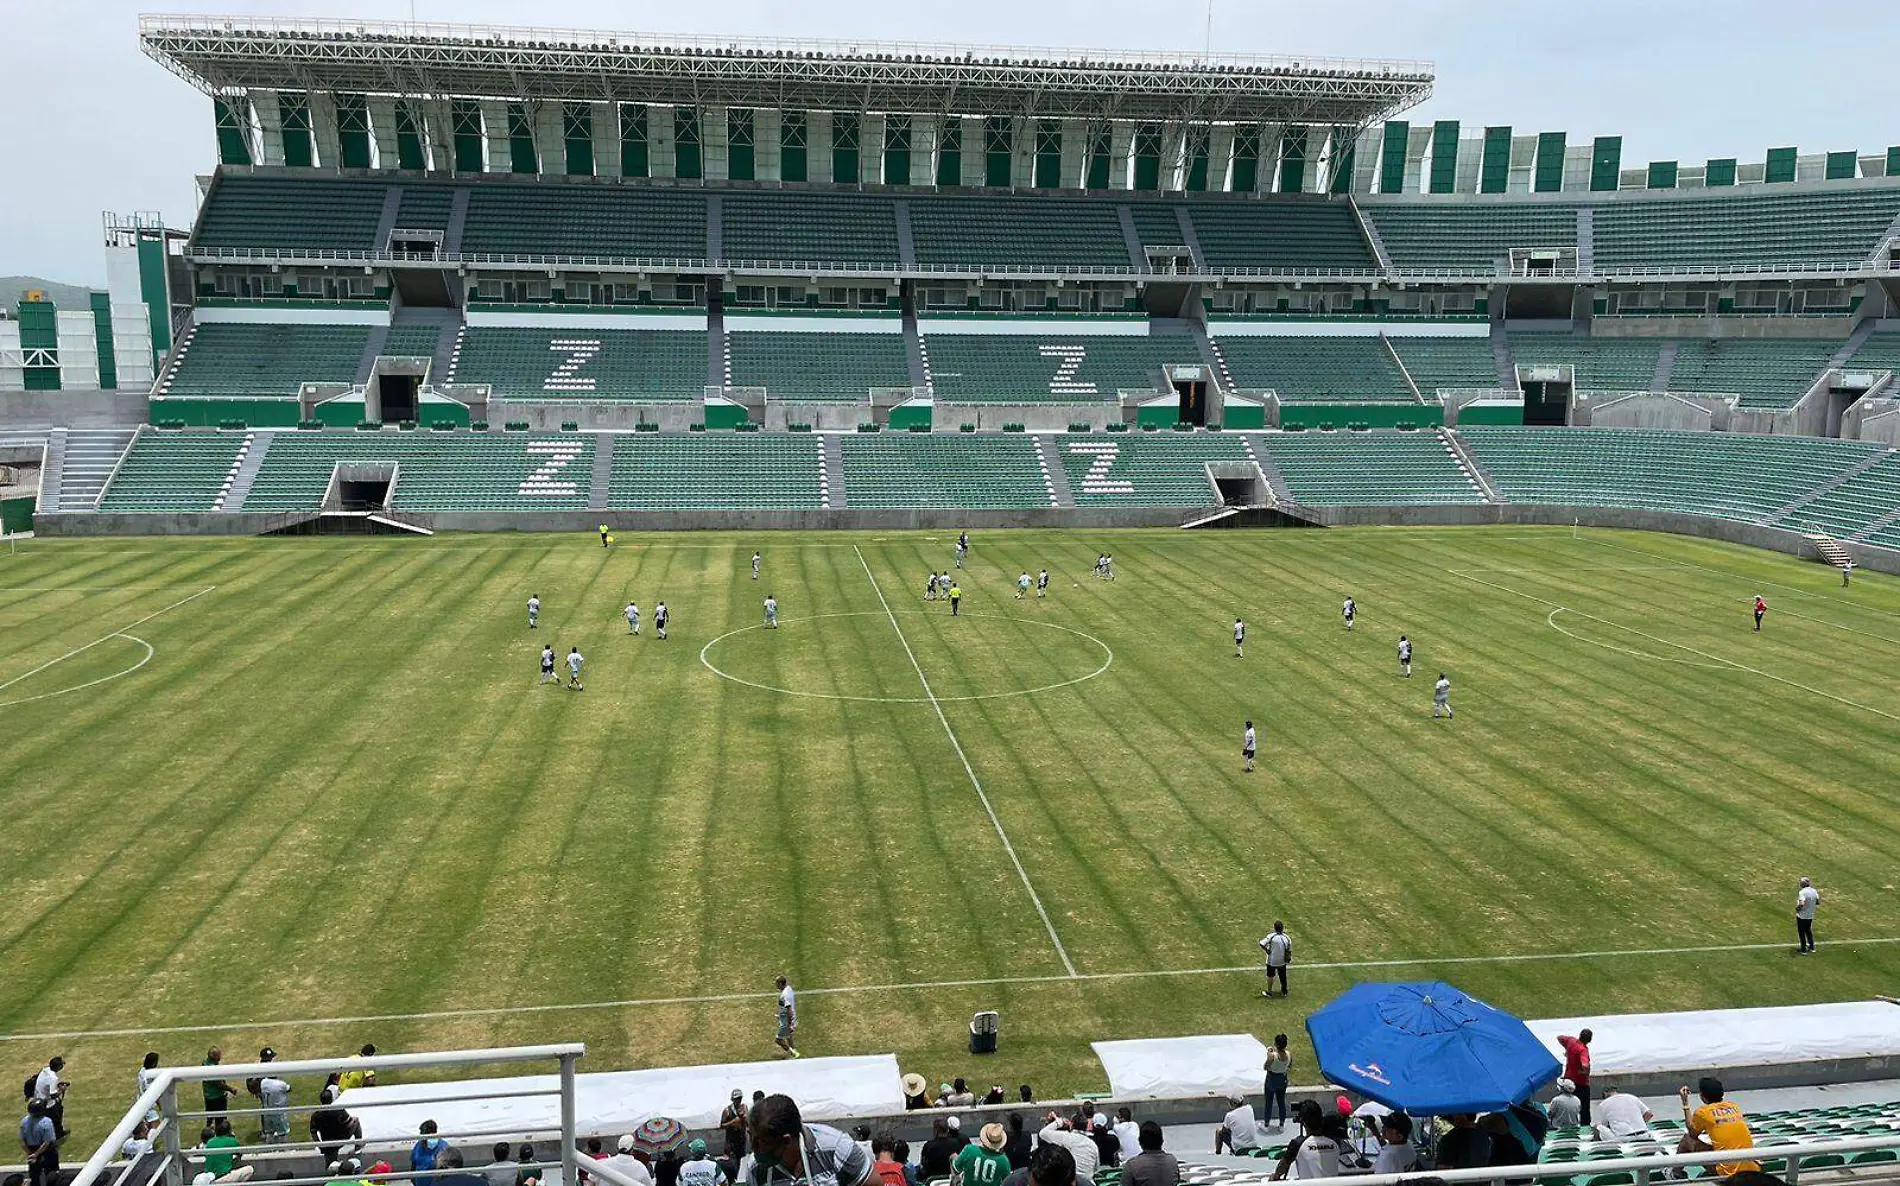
72	409
1655	411
948	416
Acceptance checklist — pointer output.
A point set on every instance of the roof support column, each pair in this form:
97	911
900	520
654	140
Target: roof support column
661	158
923	149
871	149
270	122
714	162
818	145
606	118
550	138
495	131
1121	149
382	129
1173	156
768	130
1220	157
323	129
1075	153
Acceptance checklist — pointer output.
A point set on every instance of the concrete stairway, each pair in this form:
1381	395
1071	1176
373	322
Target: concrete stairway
1501	356
831	470
51	471
1469	463
1829	550
603	472
1050	447
1665	366
250	459
1837	481
90	457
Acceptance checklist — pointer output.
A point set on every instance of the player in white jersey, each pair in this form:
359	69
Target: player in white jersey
633	617
771	612
1441	697
574	662
660	617
1247	742
534	611
547	665
1847	573
930	587
1405	656
755	566
1349	611
1108	567
1042	583
1022	585
1240	638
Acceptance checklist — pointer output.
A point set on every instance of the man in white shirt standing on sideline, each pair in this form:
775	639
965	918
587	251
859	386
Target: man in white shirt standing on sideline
1279	949
1247	742
49	1089
787	1017
1805	902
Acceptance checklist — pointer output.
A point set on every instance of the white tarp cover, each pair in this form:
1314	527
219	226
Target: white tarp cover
1656	1043
1175	1068
617	1101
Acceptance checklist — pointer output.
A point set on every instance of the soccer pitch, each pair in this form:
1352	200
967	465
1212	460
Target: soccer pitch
278	787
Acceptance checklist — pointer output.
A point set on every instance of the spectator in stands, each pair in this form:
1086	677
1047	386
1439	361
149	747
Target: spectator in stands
427	1152
1127	1135
902	1153
331	1127
700	1169
1237	1131
982	1163
1025	1095
1108	1150
1466	1146
934	1161
1621	1116
1565	1111
1577	1068
1717	1124
526	1173
139	1143
49	1087
1279	1066
994	1095
884	1160
732	1125
455	1170
786	1149
1051	1166
1151	1166
666	1167
1506	1148
1312	1154
1018	1149
357	1077
222	1162
39	1145
217	1091
916	1092
623	1160
1397	1155
148	1071
959	1095
1061	1133
862	1135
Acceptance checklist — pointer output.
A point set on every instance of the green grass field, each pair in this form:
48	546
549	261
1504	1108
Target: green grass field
332	789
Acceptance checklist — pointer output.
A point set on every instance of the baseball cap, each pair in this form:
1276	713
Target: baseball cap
738	1094
697	1148
954	1124
266	1054
625	1144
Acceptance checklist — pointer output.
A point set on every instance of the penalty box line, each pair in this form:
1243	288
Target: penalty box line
924	986
930	695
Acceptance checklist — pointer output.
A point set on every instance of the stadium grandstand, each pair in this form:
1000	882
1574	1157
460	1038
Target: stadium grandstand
587	285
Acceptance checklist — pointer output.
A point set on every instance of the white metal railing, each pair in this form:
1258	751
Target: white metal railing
171	1155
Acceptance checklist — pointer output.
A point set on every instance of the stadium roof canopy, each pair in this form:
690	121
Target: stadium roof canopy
224	55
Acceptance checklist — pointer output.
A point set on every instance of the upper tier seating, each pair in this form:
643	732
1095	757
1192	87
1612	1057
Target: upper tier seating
551	364
819	228
1727	475
238	359
1146	469
1473	236
1369	468
174	471
1017	232
1743	230
1447	362
916	470
621	221
425	206
439	471
411	341
1602	364
1284	235
831	367
1764	372
1032	368
708	471
1156	224
1880	352
1854	505
292	213
1357	367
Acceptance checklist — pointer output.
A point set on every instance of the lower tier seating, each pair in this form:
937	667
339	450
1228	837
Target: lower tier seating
1369	468
916	470
1054	368
1765	373
454	471
1602	364
828	367
1854	505
659	365
707	471
1447	362
1146	469
174	471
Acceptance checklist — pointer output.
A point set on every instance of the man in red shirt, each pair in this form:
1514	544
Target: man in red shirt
1577	1066
1761	607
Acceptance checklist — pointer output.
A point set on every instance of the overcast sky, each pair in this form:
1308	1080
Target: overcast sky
91	124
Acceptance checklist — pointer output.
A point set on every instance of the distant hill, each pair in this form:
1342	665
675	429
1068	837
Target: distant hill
66	296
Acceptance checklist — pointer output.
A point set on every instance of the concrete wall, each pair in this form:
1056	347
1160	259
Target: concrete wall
597	414
948	416
72	409
1721	327
1653	411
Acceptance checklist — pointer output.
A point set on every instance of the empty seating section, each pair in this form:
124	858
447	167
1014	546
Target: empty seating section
1031	368
1726	475
411	341
750	471
1470	236
1156	224
1752	230
817	366
1146	469
885	470
1880	352
173	471
239	359
1789	1127
623	364
815	228
1854	505
1014	232
1314	368
1764	373
425	207
1281	235
460	471
1369	468
624	222
286	213
1447	362
1602	364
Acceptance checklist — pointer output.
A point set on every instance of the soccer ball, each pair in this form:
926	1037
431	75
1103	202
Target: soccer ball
610	540
1075	584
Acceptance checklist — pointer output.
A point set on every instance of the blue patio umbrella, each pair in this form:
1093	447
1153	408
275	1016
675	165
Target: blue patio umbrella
1428	1049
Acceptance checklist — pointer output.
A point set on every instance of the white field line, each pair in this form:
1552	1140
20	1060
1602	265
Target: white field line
1754	582
1048	924
116	633
149	652
925	986
1788	613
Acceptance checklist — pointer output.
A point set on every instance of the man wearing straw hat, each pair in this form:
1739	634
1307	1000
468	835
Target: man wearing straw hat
982	1164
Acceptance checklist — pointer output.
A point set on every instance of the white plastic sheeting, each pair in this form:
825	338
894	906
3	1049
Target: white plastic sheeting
1176	1068
618	1101
1660	1043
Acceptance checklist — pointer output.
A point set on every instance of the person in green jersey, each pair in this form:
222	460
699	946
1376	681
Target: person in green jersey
982	1164
222	1162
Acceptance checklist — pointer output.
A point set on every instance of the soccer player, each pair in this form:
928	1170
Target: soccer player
787	1017
603	535
574	662
1279	949
1101	565
547	665
956	597
1349	610
771	612
1441	697
755	566
1405	656
660	617
1847	573
633	617
1108	567
1761	608
534	611
930	586
1240	638
962	547
1247	741
1042	584
1022	585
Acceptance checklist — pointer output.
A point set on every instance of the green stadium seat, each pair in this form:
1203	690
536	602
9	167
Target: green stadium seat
1282	234
243	359
1314	367
1051	367
847	229
174	471
716	471
807	367
439	471
1854	505
1769	373
1017	232
1471	236
648	365
1601	364
976	472
292	214
623	222
1146	469
1743	229
1436	362
1369	468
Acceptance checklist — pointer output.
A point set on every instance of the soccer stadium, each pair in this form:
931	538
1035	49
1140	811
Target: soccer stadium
697	610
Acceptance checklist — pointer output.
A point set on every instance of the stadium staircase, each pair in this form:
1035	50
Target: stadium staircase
1059	488
906	242
373	346
1502	356
458	223
250	459
1404	372
1470	465
1880	530
718	349
88	458
1586	240
1131	238
392	208
1665	366
51	470
1831	485
602	482
1276	481
1851	346
1191	237
1829	549
831	457
715	230
1373	241
915	357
